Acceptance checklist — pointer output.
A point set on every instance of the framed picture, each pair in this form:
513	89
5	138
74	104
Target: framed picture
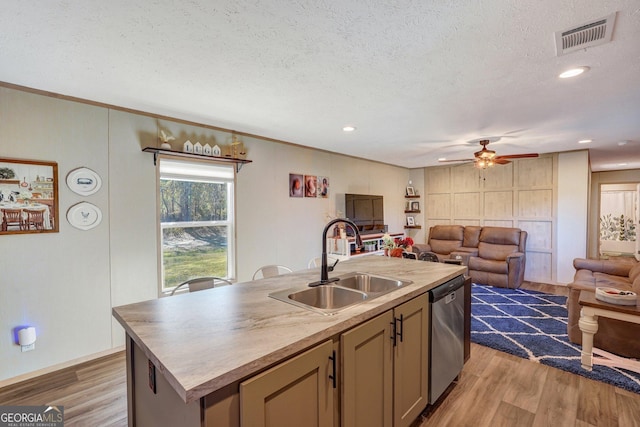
411	191
323	187
411	221
28	196
310	186
415	206
296	185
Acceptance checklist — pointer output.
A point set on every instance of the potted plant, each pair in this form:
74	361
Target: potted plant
7	173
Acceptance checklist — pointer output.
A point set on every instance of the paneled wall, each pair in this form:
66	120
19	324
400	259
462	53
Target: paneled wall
520	194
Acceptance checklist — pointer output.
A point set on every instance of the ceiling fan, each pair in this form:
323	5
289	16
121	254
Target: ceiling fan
486	158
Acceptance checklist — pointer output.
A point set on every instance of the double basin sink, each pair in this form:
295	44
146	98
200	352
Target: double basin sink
350	289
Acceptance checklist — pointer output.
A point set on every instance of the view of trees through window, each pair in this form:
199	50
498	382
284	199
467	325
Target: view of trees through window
194	217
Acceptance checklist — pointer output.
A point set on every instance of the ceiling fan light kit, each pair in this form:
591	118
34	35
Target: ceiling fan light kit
484	154
486	158
484	163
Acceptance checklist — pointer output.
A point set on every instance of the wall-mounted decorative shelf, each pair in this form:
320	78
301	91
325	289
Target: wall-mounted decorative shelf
157	151
410	211
413	226
412	197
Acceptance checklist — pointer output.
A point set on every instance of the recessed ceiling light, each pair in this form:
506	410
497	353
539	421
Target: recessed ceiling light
349	128
442	159
573	72
622	164
584	141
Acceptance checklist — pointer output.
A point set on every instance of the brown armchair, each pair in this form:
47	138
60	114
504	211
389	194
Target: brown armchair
501	257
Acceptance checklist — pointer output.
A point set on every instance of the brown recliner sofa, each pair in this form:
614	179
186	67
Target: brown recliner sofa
496	255
446	239
615	336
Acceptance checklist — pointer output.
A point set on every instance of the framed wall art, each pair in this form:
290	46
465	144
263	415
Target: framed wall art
323	187
28	196
310	186
296	185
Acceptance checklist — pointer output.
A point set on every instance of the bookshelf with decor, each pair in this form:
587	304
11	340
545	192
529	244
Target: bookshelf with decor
411	206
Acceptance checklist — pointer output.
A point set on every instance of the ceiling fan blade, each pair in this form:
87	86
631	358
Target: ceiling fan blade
517	156
458	160
501	161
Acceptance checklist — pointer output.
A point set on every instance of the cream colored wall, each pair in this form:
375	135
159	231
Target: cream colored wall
522	194
66	283
132	216
573	205
59	282
288	229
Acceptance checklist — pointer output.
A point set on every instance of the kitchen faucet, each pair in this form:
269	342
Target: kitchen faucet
325	269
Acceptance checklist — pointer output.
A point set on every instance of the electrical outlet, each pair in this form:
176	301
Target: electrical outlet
152	377
29	347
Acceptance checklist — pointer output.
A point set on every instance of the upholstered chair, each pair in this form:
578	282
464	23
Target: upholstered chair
501	257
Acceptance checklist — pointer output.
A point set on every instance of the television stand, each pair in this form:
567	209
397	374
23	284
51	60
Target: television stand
345	248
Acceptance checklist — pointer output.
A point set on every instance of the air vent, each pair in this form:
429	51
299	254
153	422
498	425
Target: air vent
586	35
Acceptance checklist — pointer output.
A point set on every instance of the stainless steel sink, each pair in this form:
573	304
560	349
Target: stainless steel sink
370	283
326	299
351	289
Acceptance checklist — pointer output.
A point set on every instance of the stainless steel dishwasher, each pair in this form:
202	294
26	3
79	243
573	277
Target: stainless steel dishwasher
446	349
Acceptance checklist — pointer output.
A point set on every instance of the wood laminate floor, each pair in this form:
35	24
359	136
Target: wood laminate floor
495	389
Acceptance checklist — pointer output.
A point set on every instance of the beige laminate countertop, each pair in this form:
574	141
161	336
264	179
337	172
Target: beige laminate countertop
204	341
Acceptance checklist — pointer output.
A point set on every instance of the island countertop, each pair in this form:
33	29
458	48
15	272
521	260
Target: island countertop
204	341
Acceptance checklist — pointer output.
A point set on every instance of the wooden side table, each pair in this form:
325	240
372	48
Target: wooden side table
593	308
460	258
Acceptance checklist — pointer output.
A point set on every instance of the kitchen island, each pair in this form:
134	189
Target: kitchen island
188	356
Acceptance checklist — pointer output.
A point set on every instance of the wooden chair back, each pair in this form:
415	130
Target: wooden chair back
35	218
11	217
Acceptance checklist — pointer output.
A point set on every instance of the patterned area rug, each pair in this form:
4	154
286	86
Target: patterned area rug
533	325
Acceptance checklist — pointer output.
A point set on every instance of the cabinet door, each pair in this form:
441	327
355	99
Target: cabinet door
297	392
411	364
367	377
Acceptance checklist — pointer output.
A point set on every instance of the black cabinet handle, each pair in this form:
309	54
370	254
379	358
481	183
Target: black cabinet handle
332	377
401	327
393	332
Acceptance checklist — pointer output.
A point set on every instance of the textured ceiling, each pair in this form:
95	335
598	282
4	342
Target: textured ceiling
419	79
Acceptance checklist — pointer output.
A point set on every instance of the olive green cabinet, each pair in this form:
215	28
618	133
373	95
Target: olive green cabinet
297	392
367	373
385	367
411	361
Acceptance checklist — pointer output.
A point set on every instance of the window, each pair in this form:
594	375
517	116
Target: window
196	221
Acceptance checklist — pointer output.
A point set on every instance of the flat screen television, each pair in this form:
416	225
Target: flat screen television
366	211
